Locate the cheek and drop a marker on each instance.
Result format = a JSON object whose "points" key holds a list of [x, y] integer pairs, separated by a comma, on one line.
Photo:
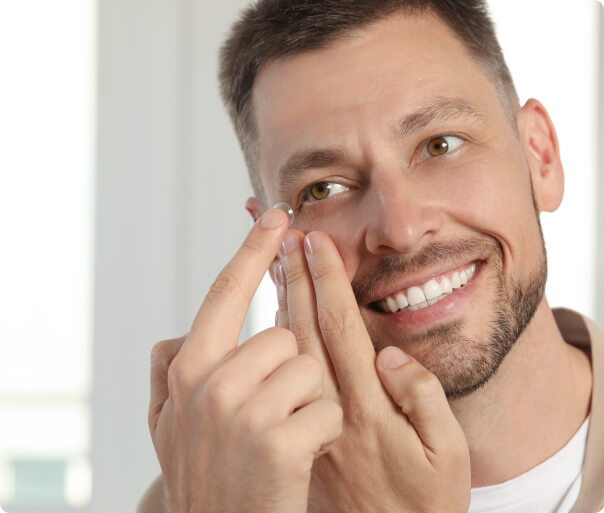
{"points": [[494, 198], [344, 229]]}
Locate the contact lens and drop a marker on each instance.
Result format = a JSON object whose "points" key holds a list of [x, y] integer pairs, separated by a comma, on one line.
{"points": [[287, 209]]}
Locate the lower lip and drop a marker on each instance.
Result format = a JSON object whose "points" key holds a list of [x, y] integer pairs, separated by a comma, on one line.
{"points": [[437, 312]]}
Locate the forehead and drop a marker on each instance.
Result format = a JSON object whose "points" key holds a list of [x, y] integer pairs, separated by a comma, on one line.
{"points": [[362, 82]]}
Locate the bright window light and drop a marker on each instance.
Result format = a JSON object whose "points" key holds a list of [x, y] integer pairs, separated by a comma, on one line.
{"points": [[47, 63]]}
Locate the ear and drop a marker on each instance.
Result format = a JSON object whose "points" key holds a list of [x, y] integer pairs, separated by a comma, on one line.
{"points": [[255, 208], [540, 142]]}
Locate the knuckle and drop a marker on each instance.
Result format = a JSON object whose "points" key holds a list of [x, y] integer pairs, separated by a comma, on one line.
{"points": [[361, 418], [424, 387], [277, 447], [338, 322], [180, 377], [310, 368], [216, 395], [252, 246], [159, 352], [226, 284], [294, 273], [162, 352], [302, 330], [320, 272], [251, 419], [284, 338], [336, 415]]}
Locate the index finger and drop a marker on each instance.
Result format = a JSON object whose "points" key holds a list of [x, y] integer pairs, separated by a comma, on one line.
{"points": [[343, 330], [218, 322]]}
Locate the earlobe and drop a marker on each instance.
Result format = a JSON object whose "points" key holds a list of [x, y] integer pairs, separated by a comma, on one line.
{"points": [[255, 208], [540, 142]]}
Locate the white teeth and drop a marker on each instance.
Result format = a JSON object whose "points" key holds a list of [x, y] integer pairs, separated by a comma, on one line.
{"points": [[463, 278], [432, 290], [455, 281], [392, 306], [446, 286], [401, 299], [429, 293], [415, 296]]}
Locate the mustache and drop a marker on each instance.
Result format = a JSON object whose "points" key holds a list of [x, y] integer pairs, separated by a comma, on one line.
{"points": [[391, 268]]}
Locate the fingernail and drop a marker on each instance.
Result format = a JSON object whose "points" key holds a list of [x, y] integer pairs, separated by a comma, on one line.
{"points": [[289, 243], [312, 243], [271, 219], [392, 358], [287, 209]]}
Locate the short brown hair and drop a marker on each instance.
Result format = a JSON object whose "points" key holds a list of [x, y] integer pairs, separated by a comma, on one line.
{"points": [[272, 29]]}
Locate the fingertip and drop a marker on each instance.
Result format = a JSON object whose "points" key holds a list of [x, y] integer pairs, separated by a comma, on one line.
{"points": [[313, 242], [289, 211], [274, 218]]}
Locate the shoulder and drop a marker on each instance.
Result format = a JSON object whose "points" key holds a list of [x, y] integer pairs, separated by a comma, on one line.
{"points": [[155, 499]]}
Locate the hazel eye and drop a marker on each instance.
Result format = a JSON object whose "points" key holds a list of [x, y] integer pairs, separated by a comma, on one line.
{"points": [[320, 190], [323, 190], [441, 145], [438, 146]]}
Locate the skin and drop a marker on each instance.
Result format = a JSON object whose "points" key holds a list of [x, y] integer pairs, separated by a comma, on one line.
{"points": [[308, 404], [397, 206]]}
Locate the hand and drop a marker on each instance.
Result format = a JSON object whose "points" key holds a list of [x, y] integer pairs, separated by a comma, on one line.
{"points": [[236, 429], [401, 448]]}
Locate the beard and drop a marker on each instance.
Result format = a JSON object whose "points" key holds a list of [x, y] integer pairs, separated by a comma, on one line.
{"points": [[461, 363]]}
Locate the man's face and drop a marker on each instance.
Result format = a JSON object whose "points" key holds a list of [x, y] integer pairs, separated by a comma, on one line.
{"points": [[395, 143]]}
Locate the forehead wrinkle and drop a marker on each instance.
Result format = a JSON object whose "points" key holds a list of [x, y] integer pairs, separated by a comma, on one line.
{"points": [[441, 109], [303, 160]]}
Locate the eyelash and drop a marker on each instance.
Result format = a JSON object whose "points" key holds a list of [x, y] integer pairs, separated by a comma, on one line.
{"points": [[306, 195]]}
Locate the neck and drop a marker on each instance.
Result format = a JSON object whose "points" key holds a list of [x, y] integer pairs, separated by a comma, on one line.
{"points": [[543, 388]]}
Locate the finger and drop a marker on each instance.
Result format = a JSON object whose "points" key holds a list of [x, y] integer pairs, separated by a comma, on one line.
{"points": [[282, 317], [422, 399], [218, 323], [343, 330], [296, 383], [315, 427], [161, 357], [302, 306], [239, 375]]}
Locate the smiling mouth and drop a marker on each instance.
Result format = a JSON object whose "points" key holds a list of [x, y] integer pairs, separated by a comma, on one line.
{"points": [[426, 294]]}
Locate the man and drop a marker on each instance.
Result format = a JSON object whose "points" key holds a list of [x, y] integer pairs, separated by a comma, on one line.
{"points": [[416, 181]]}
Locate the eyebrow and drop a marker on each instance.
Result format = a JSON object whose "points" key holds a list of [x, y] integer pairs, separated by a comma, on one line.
{"points": [[307, 159], [440, 109]]}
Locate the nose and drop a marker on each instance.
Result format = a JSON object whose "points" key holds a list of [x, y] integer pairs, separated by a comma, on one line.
{"points": [[401, 217]]}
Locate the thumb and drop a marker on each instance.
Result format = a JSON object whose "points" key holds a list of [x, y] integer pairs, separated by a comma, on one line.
{"points": [[421, 397]]}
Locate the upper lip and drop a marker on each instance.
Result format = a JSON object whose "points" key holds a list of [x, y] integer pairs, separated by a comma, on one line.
{"points": [[415, 280]]}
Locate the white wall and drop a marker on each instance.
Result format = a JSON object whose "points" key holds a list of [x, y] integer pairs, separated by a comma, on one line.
{"points": [[552, 51], [170, 194]]}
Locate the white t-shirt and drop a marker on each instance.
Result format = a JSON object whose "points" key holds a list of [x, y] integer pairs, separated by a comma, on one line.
{"points": [[551, 487]]}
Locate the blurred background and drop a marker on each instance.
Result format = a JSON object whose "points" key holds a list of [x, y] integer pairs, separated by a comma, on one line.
{"points": [[121, 196]]}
